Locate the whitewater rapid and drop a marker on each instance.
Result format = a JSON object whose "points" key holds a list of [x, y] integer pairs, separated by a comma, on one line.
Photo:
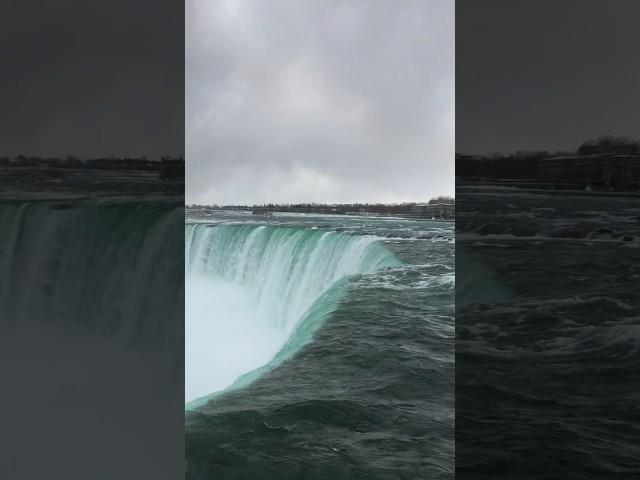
{"points": [[255, 293]]}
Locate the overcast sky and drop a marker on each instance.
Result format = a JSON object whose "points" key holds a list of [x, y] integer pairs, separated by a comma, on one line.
{"points": [[326, 101], [92, 78], [547, 74]]}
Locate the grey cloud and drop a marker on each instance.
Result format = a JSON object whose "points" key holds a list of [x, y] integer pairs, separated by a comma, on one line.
{"points": [[92, 78], [545, 74], [319, 101]]}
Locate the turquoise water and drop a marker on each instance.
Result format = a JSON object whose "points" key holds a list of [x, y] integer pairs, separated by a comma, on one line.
{"points": [[318, 346]]}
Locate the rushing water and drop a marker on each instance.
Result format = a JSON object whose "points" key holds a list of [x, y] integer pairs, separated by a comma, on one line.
{"points": [[547, 347], [260, 282], [91, 337], [83, 263], [318, 347]]}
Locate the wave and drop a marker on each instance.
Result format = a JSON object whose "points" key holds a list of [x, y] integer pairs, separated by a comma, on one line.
{"points": [[477, 282], [256, 293], [592, 236]]}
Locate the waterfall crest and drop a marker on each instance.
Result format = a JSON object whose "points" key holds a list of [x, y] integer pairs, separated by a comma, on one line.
{"points": [[255, 293]]}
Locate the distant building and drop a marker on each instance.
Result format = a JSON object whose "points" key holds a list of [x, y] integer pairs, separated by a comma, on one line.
{"points": [[618, 171], [435, 210], [609, 148]]}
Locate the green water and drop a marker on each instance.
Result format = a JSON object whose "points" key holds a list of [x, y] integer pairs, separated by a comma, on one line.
{"points": [[361, 383]]}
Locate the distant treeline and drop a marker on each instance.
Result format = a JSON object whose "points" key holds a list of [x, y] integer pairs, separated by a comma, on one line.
{"points": [[512, 165], [524, 164], [439, 207], [71, 161], [313, 205]]}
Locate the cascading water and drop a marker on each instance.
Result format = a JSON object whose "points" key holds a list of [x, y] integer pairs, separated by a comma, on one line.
{"points": [[354, 366], [91, 310], [110, 267], [255, 293]]}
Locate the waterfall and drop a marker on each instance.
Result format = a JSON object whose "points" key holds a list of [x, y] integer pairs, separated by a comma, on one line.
{"points": [[91, 336], [255, 293], [114, 268]]}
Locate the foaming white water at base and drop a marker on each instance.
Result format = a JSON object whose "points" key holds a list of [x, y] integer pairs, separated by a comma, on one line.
{"points": [[223, 335], [255, 293]]}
